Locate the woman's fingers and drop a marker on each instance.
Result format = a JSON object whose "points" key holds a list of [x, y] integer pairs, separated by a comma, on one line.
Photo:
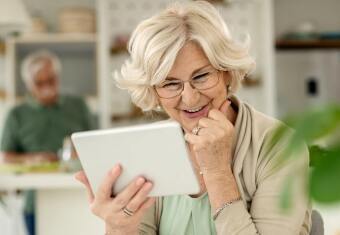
{"points": [[124, 197], [105, 189], [145, 206], [140, 197], [208, 122], [225, 107], [222, 114], [191, 138], [81, 177]]}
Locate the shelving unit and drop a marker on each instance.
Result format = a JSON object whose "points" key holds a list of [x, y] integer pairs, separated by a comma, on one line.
{"points": [[78, 55], [2, 48], [307, 44]]}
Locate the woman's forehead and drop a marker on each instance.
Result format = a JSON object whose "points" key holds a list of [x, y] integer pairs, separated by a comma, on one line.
{"points": [[189, 60]]}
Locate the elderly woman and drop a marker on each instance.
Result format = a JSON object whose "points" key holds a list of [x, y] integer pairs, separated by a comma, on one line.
{"points": [[185, 61]]}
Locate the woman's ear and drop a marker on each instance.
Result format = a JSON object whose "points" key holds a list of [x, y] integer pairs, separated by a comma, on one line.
{"points": [[226, 77]]}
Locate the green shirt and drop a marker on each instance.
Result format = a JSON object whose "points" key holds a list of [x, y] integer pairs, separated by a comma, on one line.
{"points": [[31, 127], [183, 214]]}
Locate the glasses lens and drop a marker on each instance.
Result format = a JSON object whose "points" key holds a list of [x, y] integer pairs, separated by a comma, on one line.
{"points": [[172, 89], [169, 89], [205, 82]]}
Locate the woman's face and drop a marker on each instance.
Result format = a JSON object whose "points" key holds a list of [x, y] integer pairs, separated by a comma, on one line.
{"points": [[192, 104]]}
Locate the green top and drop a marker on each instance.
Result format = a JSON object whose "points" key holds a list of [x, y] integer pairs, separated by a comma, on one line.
{"points": [[195, 216], [31, 127]]}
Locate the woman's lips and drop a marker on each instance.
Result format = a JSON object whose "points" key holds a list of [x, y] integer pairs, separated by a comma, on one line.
{"points": [[202, 113]]}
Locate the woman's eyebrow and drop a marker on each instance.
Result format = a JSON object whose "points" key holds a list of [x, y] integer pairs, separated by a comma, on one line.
{"points": [[171, 79], [192, 74], [199, 69]]}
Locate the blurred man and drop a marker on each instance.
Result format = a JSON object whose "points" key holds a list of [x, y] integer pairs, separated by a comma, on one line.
{"points": [[34, 130]]}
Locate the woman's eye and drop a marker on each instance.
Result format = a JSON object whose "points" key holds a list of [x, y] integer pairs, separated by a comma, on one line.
{"points": [[171, 85], [201, 77]]}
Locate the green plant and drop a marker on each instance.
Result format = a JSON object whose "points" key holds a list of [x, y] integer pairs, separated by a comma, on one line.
{"points": [[311, 127]]}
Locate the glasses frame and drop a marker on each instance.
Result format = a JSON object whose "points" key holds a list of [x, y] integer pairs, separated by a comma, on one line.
{"points": [[193, 87]]}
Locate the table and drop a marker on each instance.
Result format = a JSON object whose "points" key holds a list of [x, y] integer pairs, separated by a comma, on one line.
{"points": [[61, 203]]}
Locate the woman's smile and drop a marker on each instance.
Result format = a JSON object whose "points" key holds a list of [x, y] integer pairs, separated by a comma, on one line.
{"points": [[197, 112]]}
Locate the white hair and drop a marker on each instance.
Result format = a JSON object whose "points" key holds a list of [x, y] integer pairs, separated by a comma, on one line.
{"points": [[156, 41], [34, 62]]}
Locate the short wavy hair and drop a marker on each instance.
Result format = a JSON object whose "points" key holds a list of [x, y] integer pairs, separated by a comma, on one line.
{"points": [[156, 41], [34, 62]]}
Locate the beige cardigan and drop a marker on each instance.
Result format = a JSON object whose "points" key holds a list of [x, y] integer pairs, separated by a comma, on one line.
{"points": [[260, 180]]}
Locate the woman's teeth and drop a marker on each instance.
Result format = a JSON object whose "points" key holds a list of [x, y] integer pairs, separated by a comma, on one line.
{"points": [[194, 110]]}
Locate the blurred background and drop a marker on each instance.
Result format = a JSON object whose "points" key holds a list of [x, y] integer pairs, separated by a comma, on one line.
{"points": [[296, 44]]}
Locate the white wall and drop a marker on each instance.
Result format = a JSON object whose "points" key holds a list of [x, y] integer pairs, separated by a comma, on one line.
{"points": [[323, 13], [293, 67]]}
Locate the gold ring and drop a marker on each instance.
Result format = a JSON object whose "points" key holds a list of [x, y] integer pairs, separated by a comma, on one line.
{"points": [[127, 212], [196, 129]]}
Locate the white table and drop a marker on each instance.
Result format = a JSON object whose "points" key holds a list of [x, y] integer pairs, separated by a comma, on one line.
{"points": [[61, 203]]}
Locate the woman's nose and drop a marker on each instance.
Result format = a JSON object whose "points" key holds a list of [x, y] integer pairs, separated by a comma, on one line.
{"points": [[190, 95]]}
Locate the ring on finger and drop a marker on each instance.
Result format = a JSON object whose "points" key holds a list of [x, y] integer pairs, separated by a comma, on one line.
{"points": [[196, 130], [127, 211]]}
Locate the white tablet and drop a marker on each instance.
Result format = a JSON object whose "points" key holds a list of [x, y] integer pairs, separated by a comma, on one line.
{"points": [[156, 151]]}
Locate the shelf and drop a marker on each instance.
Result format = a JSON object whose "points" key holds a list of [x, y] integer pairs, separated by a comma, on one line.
{"points": [[118, 50], [56, 38], [2, 48], [38, 181], [307, 44], [77, 53], [71, 41], [2, 94], [59, 42]]}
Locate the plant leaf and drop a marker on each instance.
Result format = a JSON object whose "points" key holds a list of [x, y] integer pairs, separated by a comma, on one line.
{"points": [[325, 178]]}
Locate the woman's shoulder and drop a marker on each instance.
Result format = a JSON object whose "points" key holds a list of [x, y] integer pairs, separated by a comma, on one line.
{"points": [[261, 120], [270, 136], [262, 131], [254, 122]]}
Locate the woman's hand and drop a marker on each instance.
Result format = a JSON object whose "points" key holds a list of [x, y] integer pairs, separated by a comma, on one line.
{"points": [[212, 148], [213, 142], [134, 199]]}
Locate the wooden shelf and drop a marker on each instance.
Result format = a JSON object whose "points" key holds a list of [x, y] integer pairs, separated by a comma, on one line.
{"points": [[75, 41], [307, 44], [2, 94], [57, 41], [118, 49], [2, 48], [56, 38]]}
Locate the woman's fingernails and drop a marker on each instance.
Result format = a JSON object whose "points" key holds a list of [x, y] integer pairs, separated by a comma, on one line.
{"points": [[148, 185], [140, 181], [115, 169]]}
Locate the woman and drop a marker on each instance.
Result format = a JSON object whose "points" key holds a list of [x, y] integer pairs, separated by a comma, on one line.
{"points": [[185, 61]]}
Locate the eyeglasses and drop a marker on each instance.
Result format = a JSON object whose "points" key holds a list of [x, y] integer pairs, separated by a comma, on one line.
{"points": [[172, 88], [50, 81]]}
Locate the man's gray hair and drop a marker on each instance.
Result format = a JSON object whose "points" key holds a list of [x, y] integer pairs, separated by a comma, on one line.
{"points": [[34, 62]]}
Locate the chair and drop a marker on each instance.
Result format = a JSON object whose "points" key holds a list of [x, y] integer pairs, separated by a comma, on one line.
{"points": [[317, 224]]}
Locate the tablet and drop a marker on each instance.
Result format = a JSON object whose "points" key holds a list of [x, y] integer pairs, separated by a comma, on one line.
{"points": [[156, 151]]}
